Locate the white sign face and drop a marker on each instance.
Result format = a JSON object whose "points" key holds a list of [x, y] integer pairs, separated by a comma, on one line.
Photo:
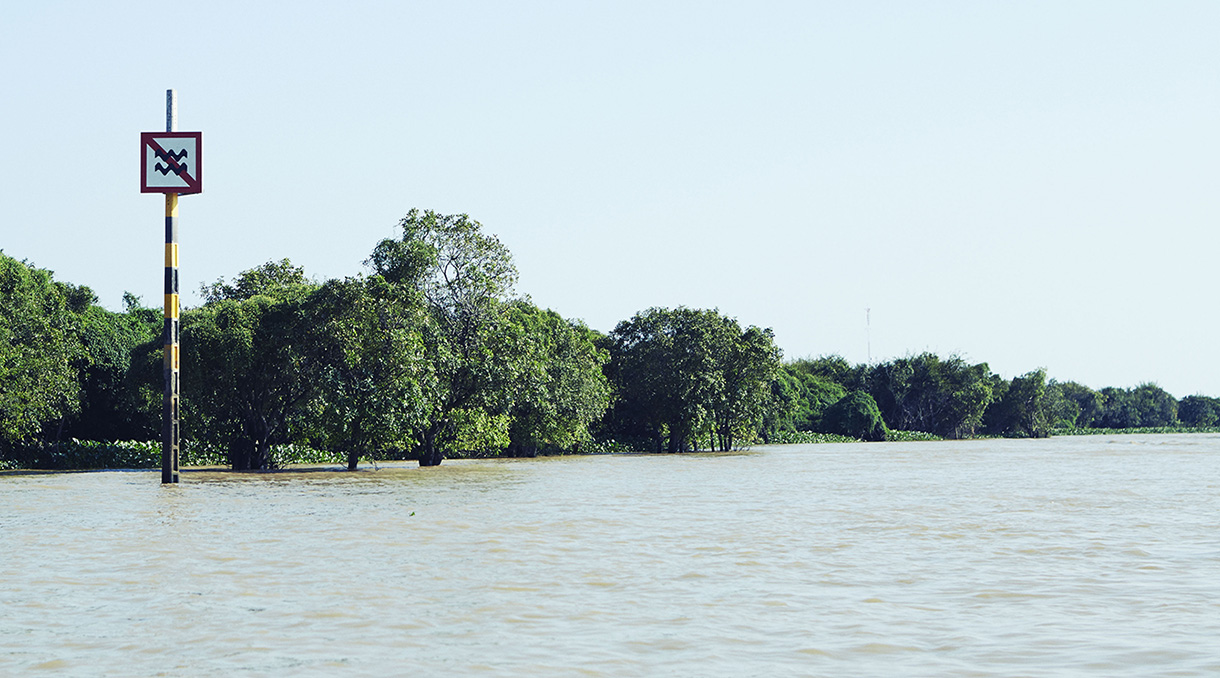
{"points": [[171, 162]]}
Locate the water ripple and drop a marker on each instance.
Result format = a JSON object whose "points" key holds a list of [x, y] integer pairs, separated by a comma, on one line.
{"points": [[1066, 557]]}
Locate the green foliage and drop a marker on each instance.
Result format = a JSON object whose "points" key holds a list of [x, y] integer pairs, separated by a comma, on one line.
{"points": [[1023, 408], [808, 438], [375, 376], [39, 351], [560, 387], [432, 356], [946, 397], [253, 363], [464, 278], [1157, 408], [93, 454], [1145, 406], [1099, 431], [475, 432], [910, 436], [834, 369], [73, 454], [1090, 405], [1198, 410], [799, 399], [678, 371], [113, 406], [276, 279], [610, 446], [855, 415]]}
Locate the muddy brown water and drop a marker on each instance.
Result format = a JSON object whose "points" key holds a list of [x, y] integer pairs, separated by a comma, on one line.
{"points": [[1063, 557]]}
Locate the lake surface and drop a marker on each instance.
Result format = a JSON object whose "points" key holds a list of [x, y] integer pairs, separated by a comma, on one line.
{"points": [[1075, 556]]}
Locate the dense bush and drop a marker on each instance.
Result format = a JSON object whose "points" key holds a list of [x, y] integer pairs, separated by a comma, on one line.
{"points": [[855, 415]]}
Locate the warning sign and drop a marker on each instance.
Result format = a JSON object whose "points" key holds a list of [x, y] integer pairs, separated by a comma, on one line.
{"points": [[171, 162]]}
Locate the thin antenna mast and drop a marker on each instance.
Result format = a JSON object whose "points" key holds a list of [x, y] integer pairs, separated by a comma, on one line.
{"points": [[868, 332]]}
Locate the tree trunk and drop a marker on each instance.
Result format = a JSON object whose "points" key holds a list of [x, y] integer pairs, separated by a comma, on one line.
{"points": [[429, 455], [262, 456], [353, 459], [242, 457]]}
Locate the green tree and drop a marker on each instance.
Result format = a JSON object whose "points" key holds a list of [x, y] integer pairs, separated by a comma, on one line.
{"points": [[464, 277], [251, 363], [113, 405], [374, 370], [800, 397], [1062, 412], [1156, 406], [1090, 404], [818, 393], [276, 279], [1119, 409], [1022, 410], [747, 362], [560, 386], [784, 410], [925, 393], [1146, 405], [855, 415], [1199, 410], [677, 371], [39, 348], [833, 368], [661, 368]]}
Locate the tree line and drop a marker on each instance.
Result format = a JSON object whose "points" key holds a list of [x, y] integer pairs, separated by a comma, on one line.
{"points": [[431, 353], [952, 398]]}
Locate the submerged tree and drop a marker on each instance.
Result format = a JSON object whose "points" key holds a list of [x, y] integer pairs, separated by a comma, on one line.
{"points": [[1198, 410], [115, 402], [560, 389], [39, 351], [464, 277], [1023, 408], [855, 415], [926, 393], [253, 359], [675, 369], [375, 375]]}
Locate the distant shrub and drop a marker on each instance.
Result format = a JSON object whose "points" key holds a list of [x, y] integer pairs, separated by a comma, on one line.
{"points": [[910, 436], [808, 438], [1124, 431], [855, 415]]}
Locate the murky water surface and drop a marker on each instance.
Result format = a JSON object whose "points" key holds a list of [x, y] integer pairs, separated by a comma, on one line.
{"points": [[1068, 557]]}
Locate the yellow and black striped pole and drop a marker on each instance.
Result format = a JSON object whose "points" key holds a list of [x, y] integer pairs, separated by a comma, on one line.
{"points": [[169, 433], [169, 436]]}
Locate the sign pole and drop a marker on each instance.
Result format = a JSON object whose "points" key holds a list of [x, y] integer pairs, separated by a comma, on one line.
{"points": [[171, 162], [169, 433]]}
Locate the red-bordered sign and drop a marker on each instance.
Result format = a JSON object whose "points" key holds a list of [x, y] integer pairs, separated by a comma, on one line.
{"points": [[171, 162]]}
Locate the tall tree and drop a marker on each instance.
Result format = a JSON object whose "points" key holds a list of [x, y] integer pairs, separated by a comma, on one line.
{"points": [[112, 404], [926, 393], [251, 362], [560, 389], [855, 415], [375, 373], [1199, 410], [465, 277], [674, 369], [1144, 406], [39, 350], [1023, 408], [747, 360], [1089, 403]]}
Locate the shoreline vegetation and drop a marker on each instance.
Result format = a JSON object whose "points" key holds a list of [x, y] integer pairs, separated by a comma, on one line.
{"points": [[431, 354], [91, 455]]}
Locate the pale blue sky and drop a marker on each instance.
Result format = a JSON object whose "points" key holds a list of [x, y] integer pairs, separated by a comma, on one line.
{"points": [[1030, 184]]}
